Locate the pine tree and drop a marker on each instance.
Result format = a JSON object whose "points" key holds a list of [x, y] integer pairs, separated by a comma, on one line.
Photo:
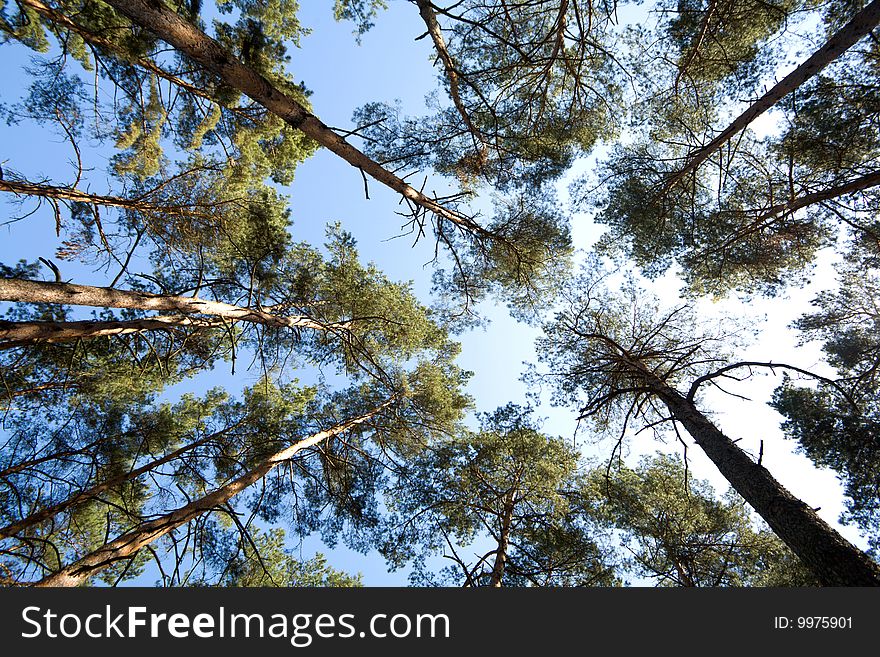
{"points": [[621, 358], [504, 488]]}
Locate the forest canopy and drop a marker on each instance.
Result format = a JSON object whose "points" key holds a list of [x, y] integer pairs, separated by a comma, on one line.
{"points": [[247, 271]]}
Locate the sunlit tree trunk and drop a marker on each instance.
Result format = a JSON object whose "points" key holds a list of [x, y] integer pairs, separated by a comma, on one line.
{"points": [[26, 291], [157, 17], [128, 544], [17, 334], [25, 188]]}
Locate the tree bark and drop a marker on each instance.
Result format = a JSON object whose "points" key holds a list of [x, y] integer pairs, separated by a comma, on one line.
{"points": [[858, 184], [775, 212], [860, 26], [503, 541], [18, 334], [157, 17], [426, 11], [128, 544], [830, 557], [26, 291]]}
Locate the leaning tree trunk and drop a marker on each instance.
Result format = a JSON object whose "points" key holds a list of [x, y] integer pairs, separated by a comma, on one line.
{"points": [[106, 44], [128, 544], [831, 558], [775, 212], [426, 11], [859, 27], [161, 20], [26, 188], [90, 493]]}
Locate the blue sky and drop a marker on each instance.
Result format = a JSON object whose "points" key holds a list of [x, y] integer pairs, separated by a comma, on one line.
{"points": [[390, 64]]}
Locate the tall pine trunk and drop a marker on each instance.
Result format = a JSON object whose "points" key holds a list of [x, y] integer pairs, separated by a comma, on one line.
{"points": [[859, 27], [158, 18], [497, 575], [129, 543], [25, 188], [26, 291], [831, 558], [17, 334]]}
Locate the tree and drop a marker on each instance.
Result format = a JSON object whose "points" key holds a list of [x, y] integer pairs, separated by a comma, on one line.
{"points": [[718, 41], [755, 219], [189, 40], [860, 26], [231, 63], [130, 543], [679, 533], [253, 143], [263, 434], [210, 467], [620, 358], [505, 487]]}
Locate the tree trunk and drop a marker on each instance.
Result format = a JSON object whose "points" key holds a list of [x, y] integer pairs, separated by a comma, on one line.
{"points": [[156, 16], [128, 544], [17, 334], [503, 541], [426, 11], [773, 213], [860, 26], [97, 489], [858, 184], [830, 557], [25, 291]]}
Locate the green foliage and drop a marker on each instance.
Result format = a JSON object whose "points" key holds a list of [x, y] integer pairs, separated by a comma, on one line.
{"points": [[360, 12], [90, 442], [140, 142], [23, 25], [263, 559], [736, 235], [525, 262], [753, 217], [534, 87], [504, 486], [832, 132], [49, 378], [716, 39], [157, 121]]}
